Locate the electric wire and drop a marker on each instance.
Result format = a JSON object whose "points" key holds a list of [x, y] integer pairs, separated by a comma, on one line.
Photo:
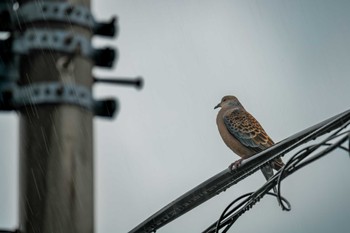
{"points": [[227, 178], [299, 160]]}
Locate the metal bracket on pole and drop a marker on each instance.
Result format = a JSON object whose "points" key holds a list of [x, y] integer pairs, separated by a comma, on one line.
{"points": [[32, 40], [13, 97], [62, 41], [60, 12], [136, 82]]}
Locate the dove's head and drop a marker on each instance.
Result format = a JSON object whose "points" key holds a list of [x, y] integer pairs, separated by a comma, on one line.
{"points": [[229, 101]]}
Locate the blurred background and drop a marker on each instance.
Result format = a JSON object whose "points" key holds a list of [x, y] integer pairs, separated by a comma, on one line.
{"points": [[287, 61]]}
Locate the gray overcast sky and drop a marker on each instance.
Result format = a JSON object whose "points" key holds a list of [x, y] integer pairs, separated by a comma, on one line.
{"points": [[287, 61]]}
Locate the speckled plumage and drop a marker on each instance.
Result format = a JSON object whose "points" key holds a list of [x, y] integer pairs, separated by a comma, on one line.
{"points": [[242, 133], [246, 129]]}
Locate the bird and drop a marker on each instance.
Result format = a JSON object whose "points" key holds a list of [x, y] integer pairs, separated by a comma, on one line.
{"points": [[243, 134]]}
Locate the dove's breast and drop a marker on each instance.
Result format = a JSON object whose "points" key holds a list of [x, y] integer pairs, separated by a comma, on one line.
{"points": [[230, 140]]}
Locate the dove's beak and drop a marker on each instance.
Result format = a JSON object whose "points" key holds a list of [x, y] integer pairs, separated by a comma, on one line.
{"points": [[217, 106]]}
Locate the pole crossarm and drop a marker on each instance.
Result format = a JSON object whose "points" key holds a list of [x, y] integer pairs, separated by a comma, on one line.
{"points": [[227, 178]]}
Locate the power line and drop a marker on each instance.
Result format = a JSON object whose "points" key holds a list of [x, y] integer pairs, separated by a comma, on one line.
{"points": [[299, 160], [228, 178]]}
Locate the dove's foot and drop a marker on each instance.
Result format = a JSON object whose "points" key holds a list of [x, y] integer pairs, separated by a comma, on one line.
{"points": [[235, 164]]}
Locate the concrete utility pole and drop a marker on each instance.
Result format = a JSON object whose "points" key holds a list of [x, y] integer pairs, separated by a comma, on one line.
{"points": [[45, 74], [56, 159]]}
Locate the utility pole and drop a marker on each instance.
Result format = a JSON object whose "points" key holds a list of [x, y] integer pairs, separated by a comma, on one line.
{"points": [[56, 142], [45, 75]]}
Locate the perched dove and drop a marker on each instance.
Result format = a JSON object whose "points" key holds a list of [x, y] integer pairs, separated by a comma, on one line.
{"points": [[243, 134]]}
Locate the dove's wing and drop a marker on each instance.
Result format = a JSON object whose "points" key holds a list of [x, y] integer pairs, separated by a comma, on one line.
{"points": [[244, 127]]}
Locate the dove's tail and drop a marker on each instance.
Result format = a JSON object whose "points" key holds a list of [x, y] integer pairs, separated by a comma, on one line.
{"points": [[277, 164], [268, 173]]}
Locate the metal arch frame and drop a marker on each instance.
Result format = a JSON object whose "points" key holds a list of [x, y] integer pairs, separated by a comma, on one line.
{"points": [[228, 178]]}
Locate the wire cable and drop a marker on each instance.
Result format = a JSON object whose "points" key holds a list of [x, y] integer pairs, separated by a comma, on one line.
{"points": [[227, 178], [299, 160]]}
